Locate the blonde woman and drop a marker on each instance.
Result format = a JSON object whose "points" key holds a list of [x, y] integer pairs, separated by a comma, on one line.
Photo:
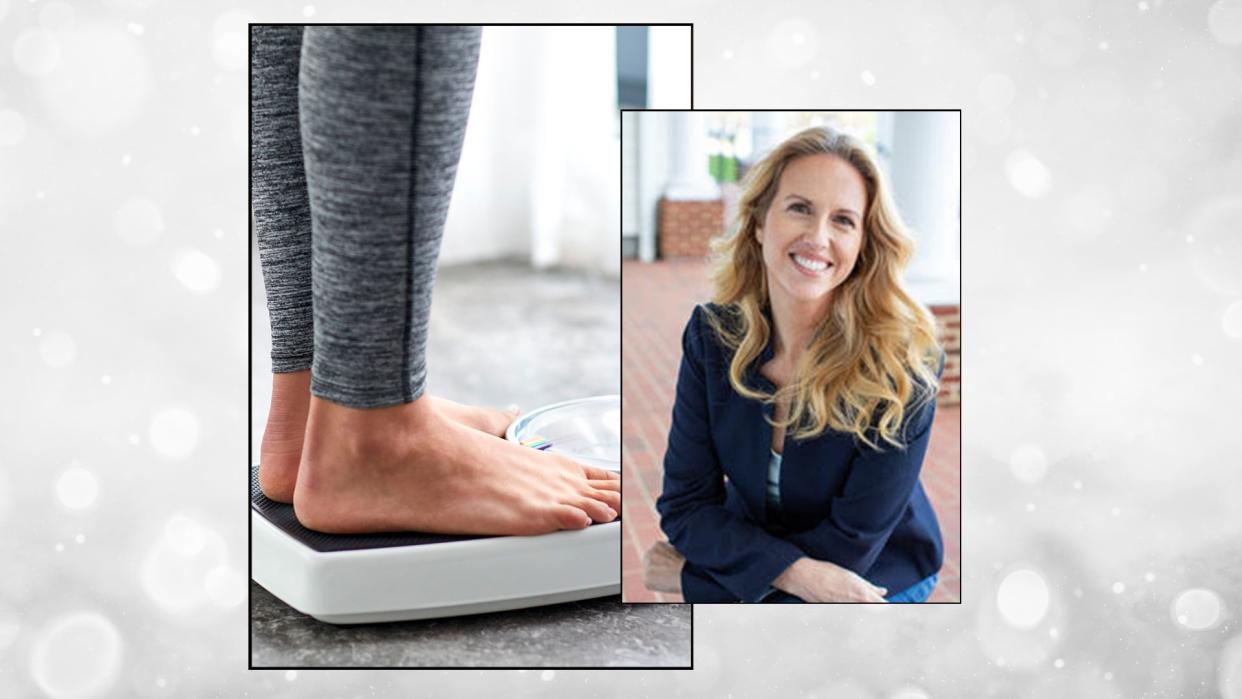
{"points": [[805, 397]]}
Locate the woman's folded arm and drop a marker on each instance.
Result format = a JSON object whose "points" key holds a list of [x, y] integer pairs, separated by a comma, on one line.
{"points": [[873, 499], [739, 555]]}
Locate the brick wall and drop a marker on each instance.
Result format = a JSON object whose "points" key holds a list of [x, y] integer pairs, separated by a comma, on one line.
{"points": [[685, 227], [949, 330]]}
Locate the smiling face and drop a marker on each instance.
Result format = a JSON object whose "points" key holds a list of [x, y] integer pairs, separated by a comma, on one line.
{"points": [[813, 230]]}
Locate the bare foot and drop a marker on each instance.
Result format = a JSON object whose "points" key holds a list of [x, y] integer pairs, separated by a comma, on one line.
{"points": [[282, 437], [662, 566], [493, 421], [412, 468], [286, 427]]}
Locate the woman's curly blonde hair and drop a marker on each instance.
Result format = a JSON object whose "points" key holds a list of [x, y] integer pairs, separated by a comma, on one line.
{"points": [[875, 353]]}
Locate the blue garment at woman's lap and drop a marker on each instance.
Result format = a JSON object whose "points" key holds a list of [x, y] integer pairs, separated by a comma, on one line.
{"points": [[918, 592]]}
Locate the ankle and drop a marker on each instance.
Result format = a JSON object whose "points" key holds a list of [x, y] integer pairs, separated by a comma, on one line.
{"points": [[366, 433], [292, 382], [290, 398]]}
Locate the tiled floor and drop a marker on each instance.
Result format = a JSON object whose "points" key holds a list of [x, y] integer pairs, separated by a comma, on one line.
{"points": [[656, 300]]}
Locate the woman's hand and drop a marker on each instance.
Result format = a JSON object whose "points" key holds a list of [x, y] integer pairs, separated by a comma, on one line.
{"points": [[821, 581]]}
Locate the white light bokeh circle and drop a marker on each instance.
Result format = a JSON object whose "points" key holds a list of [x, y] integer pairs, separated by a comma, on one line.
{"points": [[184, 535], [77, 488], [226, 586], [12, 127], [76, 655], [228, 40], [1231, 320], [1028, 463], [1023, 598], [102, 81], [909, 692], [58, 349], [196, 271], [174, 432], [1217, 252], [1197, 609], [177, 576], [1027, 174], [1225, 21], [547, 675], [138, 221], [793, 43], [36, 52]]}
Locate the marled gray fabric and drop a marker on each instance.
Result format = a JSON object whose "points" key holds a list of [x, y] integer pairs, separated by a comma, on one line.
{"points": [[383, 113], [278, 198]]}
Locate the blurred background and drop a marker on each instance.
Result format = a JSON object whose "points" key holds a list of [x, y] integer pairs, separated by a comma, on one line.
{"points": [[682, 173], [538, 175], [1102, 144]]}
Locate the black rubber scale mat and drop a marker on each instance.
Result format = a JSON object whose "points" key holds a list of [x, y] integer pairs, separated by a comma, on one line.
{"points": [[282, 516]]}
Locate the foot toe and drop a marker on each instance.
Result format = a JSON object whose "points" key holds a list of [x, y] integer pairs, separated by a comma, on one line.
{"points": [[598, 510], [610, 498], [600, 474], [570, 517], [605, 485]]}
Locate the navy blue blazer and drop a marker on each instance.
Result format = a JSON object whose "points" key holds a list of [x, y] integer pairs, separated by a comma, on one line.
{"points": [[860, 508]]}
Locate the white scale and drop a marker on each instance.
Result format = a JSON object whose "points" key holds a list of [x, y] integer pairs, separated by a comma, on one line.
{"points": [[401, 576]]}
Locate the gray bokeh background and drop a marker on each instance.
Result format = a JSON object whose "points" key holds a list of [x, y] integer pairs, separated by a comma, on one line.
{"points": [[1102, 348]]}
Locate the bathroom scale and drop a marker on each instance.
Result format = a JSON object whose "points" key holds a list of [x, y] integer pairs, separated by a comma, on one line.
{"points": [[357, 579]]}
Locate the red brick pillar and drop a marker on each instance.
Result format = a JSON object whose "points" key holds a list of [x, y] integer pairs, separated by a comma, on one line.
{"points": [[686, 227], [949, 331]]}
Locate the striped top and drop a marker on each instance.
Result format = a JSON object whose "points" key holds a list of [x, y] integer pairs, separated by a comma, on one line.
{"points": [[774, 482]]}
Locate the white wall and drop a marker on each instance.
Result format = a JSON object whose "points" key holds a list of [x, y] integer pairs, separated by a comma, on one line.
{"points": [[646, 157], [629, 173], [540, 172], [924, 171], [668, 68], [575, 185], [490, 211]]}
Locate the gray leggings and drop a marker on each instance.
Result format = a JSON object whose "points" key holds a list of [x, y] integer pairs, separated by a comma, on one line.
{"points": [[356, 134]]}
